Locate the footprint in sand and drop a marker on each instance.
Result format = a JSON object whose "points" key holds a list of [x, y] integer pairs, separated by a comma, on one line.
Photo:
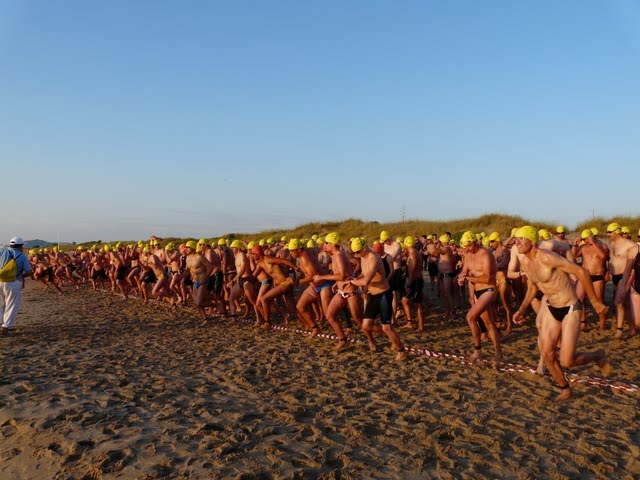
{"points": [[9, 428]]}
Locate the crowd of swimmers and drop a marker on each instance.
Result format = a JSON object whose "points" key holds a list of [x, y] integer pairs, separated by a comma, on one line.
{"points": [[379, 288]]}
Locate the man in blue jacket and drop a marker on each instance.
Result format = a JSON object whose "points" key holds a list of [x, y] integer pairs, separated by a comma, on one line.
{"points": [[11, 291]]}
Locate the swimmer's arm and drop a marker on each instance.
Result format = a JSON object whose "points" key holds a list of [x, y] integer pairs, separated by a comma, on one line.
{"points": [[208, 266], [513, 271], [602, 252], [256, 271], [335, 277], [392, 269], [508, 243], [283, 261], [576, 251], [626, 277], [532, 290], [365, 280]]}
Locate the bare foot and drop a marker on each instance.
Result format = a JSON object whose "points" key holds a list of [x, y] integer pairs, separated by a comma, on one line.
{"points": [[342, 344], [475, 356], [373, 347], [605, 366], [265, 326], [583, 326], [400, 356], [499, 358], [618, 335], [407, 326], [314, 332], [602, 315], [565, 395]]}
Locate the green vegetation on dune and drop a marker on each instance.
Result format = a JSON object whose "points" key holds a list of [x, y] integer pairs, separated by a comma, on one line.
{"points": [[370, 230]]}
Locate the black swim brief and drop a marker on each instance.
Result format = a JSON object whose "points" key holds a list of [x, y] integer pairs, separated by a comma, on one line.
{"points": [[478, 293], [560, 312]]}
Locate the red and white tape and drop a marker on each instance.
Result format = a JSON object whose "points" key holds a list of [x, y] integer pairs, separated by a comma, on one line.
{"points": [[503, 367]]}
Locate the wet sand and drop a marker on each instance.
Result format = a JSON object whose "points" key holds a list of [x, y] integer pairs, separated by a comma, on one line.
{"points": [[93, 387]]}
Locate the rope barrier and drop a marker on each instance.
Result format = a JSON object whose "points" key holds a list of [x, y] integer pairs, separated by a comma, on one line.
{"points": [[502, 367]]}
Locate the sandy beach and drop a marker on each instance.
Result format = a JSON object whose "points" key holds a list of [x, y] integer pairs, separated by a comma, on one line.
{"points": [[94, 387]]}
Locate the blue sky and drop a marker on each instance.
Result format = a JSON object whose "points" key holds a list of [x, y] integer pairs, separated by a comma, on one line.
{"points": [[123, 119]]}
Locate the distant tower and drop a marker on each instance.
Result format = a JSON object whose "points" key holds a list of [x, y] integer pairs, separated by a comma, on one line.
{"points": [[404, 213]]}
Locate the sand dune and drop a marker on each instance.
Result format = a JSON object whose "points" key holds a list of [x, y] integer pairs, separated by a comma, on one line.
{"points": [[94, 387]]}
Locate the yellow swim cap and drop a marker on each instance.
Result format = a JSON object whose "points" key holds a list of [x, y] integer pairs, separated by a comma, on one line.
{"points": [[625, 229], [586, 233], [485, 241], [106, 248], [444, 238], [482, 234], [221, 242], [262, 242], [494, 237], [357, 243], [236, 244], [467, 239], [250, 245], [170, 247], [140, 243], [595, 231], [529, 233], [513, 231], [333, 238], [314, 237], [147, 249], [202, 241], [118, 245], [294, 244], [614, 227], [478, 236], [283, 238], [409, 241], [192, 244], [560, 229], [544, 234], [384, 236], [311, 244], [270, 241]]}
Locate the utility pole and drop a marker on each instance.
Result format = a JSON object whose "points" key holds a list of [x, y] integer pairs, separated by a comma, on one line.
{"points": [[404, 213], [593, 214]]}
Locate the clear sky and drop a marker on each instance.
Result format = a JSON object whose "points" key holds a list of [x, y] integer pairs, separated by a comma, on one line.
{"points": [[121, 119]]}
